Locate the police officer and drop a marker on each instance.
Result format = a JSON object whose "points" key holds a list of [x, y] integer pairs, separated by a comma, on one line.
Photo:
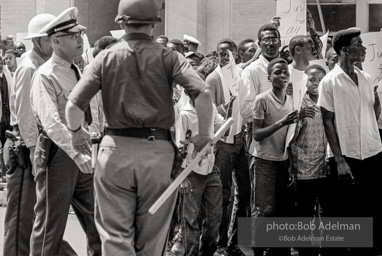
{"points": [[63, 174], [21, 195], [136, 155]]}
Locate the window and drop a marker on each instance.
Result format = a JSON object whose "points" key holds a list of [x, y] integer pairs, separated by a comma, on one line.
{"points": [[336, 16], [375, 17]]}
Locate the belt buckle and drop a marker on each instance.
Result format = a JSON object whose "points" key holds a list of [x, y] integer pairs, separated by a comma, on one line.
{"points": [[151, 138]]}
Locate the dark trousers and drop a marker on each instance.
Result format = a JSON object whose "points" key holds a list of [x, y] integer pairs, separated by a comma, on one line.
{"points": [[21, 197], [58, 186], [308, 191], [271, 181], [202, 204], [231, 157], [359, 200]]}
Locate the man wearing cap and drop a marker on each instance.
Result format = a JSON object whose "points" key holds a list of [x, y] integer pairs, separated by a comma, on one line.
{"points": [[190, 43], [176, 45], [136, 155], [63, 173], [351, 107], [21, 195]]}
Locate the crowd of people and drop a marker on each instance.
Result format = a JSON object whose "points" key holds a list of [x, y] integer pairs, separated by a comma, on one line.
{"points": [[155, 103]]}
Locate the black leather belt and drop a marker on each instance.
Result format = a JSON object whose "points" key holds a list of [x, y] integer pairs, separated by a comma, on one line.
{"points": [[150, 134]]}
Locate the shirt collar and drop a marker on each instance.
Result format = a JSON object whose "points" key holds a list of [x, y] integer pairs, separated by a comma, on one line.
{"points": [[61, 62], [137, 36], [264, 60]]}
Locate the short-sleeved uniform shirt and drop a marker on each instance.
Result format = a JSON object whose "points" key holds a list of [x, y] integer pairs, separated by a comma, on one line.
{"points": [[136, 77], [353, 106], [269, 109]]}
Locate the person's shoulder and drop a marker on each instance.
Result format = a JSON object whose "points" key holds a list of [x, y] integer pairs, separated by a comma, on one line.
{"points": [[213, 77], [264, 96]]}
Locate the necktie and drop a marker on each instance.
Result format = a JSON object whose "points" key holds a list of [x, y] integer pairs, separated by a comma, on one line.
{"points": [[88, 113]]}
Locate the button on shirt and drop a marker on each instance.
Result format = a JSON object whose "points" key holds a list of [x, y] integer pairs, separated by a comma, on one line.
{"points": [[353, 106], [51, 86], [254, 81], [136, 77], [23, 83]]}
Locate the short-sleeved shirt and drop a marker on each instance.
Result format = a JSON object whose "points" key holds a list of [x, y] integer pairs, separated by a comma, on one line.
{"points": [[353, 106], [135, 77], [269, 109]]}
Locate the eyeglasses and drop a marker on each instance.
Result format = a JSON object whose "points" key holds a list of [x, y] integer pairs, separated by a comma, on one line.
{"points": [[268, 40], [74, 35]]}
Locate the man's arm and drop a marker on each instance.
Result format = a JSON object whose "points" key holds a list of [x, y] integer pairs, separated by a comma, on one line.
{"points": [[344, 171], [247, 93], [259, 132], [25, 118], [203, 106]]}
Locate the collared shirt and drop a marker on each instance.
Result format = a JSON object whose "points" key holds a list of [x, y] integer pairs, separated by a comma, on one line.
{"points": [[136, 77], [269, 109], [254, 81], [23, 83], [51, 86], [215, 84], [309, 148], [353, 106], [189, 121]]}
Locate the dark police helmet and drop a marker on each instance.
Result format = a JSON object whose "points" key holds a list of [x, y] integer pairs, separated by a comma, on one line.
{"points": [[137, 12]]}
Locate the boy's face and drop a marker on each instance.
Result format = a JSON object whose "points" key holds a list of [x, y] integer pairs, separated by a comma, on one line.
{"points": [[308, 50], [314, 78], [224, 55], [10, 60], [279, 76], [250, 50], [332, 59]]}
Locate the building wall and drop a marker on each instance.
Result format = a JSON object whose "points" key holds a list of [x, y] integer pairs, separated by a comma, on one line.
{"points": [[15, 15], [249, 15]]}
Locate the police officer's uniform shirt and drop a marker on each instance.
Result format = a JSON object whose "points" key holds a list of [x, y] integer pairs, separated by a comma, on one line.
{"points": [[136, 77], [23, 83], [51, 86]]}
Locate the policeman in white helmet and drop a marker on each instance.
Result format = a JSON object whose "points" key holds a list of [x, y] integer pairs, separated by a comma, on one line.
{"points": [[21, 196]]}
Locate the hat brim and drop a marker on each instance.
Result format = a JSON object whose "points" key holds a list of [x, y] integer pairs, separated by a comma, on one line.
{"points": [[34, 36], [77, 28]]}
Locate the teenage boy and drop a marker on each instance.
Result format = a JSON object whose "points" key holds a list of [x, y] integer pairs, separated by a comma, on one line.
{"points": [[273, 112], [308, 150]]}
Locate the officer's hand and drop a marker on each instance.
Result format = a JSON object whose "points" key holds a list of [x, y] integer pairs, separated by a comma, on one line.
{"points": [[200, 141], [84, 163], [185, 187], [81, 141]]}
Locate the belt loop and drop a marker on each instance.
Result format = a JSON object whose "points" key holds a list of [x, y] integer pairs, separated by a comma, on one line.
{"points": [[151, 138]]}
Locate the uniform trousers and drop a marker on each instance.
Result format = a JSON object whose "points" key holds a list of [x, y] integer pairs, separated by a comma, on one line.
{"points": [[21, 197], [58, 186], [130, 176]]}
